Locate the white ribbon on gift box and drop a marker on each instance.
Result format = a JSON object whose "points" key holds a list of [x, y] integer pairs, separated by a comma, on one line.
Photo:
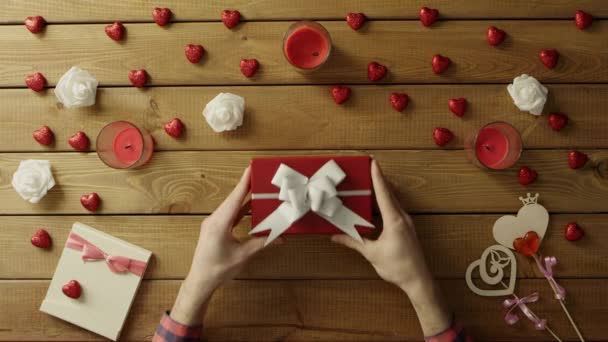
{"points": [[318, 193]]}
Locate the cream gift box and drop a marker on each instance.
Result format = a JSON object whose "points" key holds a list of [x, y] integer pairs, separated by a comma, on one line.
{"points": [[107, 269]]}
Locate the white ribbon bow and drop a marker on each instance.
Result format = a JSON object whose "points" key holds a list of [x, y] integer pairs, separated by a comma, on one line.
{"points": [[319, 194]]}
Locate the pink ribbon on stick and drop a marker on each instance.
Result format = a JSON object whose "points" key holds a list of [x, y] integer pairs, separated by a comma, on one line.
{"points": [[547, 270], [516, 302], [116, 263]]}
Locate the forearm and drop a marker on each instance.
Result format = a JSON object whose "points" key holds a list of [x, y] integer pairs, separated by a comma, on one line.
{"points": [[191, 302], [429, 304]]}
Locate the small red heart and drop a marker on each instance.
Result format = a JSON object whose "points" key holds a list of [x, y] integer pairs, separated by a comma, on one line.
{"points": [[79, 141], [573, 232], [116, 30], [442, 136], [340, 94], [458, 106], [44, 135], [41, 239], [375, 71], [161, 16], [72, 289], [549, 57], [399, 101], [90, 201], [577, 159], [527, 175], [35, 24], [428, 16], [355, 20], [557, 121], [582, 19], [138, 77], [440, 63], [175, 128], [231, 18], [249, 67], [495, 36], [35, 82], [527, 245], [194, 53]]}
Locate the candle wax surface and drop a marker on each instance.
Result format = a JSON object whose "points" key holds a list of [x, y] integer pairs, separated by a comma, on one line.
{"points": [[492, 146], [306, 48], [128, 146]]}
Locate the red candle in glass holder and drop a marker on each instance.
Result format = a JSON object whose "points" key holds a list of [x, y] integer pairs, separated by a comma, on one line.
{"points": [[122, 145], [307, 45], [497, 146]]}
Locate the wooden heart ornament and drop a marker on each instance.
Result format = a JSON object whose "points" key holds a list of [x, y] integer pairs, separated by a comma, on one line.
{"points": [[528, 227], [492, 264]]}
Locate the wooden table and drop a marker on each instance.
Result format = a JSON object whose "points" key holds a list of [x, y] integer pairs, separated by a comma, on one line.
{"points": [[308, 289]]}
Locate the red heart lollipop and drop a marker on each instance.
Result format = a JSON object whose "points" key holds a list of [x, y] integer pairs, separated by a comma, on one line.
{"points": [[527, 245]]}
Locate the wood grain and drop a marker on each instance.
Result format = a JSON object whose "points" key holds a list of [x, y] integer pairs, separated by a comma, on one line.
{"points": [[270, 310], [140, 10], [305, 117], [308, 289], [451, 243], [406, 48], [196, 182]]}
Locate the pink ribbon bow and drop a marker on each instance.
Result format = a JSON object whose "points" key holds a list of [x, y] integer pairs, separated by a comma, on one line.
{"points": [[516, 302], [547, 270], [116, 264]]}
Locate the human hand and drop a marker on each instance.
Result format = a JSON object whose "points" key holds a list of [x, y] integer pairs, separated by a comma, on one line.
{"points": [[396, 254], [397, 257], [218, 256]]}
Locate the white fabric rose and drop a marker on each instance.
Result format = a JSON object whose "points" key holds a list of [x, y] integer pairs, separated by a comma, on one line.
{"points": [[528, 94], [33, 179], [225, 112], [76, 88]]}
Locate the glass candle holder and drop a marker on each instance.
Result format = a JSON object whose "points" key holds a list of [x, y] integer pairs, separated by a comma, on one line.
{"points": [[122, 145], [495, 146], [307, 45]]}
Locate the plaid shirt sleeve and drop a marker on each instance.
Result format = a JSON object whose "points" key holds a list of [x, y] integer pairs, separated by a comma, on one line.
{"points": [[454, 333], [171, 331]]}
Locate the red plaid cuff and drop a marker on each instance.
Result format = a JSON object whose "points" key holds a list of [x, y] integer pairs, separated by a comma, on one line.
{"points": [[454, 333], [171, 331]]}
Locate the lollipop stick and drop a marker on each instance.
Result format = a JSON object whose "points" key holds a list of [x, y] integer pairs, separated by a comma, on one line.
{"points": [[580, 336], [561, 301], [553, 334]]}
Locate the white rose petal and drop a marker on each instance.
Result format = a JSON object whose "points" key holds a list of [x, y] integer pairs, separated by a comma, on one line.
{"points": [[76, 88], [528, 94], [33, 179], [225, 112]]}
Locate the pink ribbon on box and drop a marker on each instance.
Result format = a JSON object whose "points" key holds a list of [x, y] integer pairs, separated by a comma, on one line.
{"points": [[116, 263], [547, 270], [516, 302]]}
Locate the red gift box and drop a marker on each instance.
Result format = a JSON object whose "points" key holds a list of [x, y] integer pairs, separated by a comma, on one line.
{"points": [[354, 191]]}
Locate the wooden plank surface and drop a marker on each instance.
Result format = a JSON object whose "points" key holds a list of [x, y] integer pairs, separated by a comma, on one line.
{"points": [[451, 243], [309, 288], [269, 310], [140, 10], [196, 182], [406, 48], [308, 118]]}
